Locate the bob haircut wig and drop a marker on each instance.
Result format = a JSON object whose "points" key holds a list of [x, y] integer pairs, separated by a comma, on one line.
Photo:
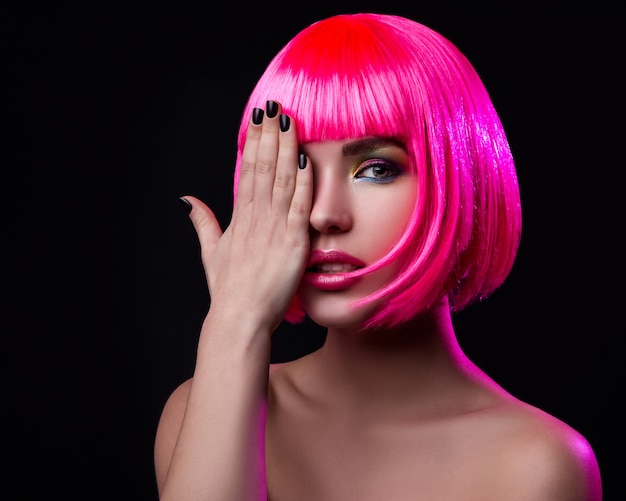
{"points": [[367, 74]]}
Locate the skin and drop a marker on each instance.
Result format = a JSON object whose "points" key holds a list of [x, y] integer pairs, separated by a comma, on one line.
{"points": [[371, 415], [363, 189]]}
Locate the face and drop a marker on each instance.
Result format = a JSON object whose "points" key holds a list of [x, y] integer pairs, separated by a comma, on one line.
{"points": [[363, 197]]}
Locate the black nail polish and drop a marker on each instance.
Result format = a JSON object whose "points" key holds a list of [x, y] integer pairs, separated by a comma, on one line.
{"points": [[285, 122], [257, 116], [302, 161], [271, 108], [185, 204]]}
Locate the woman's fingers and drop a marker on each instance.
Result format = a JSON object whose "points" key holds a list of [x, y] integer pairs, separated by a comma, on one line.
{"points": [[267, 241], [267, 154], [302, 200], [286, 165], [258, 161], [268, 163], [245, 186], [275, 185]]}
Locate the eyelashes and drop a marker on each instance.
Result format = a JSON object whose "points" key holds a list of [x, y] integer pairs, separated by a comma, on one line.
{"points": [[379, 171], [361, 163]]}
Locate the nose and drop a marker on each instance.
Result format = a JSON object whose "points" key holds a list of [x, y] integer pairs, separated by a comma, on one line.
{"points": [[331, 212]]}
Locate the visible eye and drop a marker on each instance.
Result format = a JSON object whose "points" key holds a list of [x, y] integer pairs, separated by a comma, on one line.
{"points": [[379, 171]]}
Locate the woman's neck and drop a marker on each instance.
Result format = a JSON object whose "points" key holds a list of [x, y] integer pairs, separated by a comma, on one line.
{"points": [[419, 363]]}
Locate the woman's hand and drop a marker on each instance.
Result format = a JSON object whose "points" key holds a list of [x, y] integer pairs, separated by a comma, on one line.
{"points": [[253, 269]]}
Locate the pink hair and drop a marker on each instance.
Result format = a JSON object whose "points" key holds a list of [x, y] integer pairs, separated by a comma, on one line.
{"points": [[356, 75]]}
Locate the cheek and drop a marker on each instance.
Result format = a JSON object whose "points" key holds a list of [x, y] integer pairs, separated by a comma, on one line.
{"points": [[386, 217], [389, 228]]}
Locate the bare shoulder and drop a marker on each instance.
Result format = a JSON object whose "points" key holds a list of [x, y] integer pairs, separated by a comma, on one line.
{"points": [[541, 457], [168, 428], [277, 367]]}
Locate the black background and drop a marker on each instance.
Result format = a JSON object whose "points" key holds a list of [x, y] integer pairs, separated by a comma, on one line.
{"points": [[114, 110]]}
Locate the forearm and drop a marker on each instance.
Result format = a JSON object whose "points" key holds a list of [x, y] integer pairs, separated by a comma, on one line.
{"points": [[220, 451]]}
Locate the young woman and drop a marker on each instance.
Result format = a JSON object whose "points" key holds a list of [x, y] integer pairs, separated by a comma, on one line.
{"points": [[374, 192]]}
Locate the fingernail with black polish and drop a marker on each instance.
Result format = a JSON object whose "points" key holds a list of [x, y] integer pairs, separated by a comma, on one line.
{"points": [[185, 204], [271, 108], [285, 122], [257, 116], [302, 161]]}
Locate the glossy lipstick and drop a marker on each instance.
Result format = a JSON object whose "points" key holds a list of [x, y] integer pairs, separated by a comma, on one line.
{"points": [[331, 270]]}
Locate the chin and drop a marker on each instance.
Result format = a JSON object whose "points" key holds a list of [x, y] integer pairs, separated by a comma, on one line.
{"points": [[335, 309], [338, 314]]}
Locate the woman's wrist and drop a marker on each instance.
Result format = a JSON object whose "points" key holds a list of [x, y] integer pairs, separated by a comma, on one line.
{"points": [[236, 332]]}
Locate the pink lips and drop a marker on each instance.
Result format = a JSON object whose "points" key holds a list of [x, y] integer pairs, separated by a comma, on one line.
{"points": [[330, 270]]}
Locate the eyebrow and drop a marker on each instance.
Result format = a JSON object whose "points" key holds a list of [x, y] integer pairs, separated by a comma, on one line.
{"points": [[369, 144]]}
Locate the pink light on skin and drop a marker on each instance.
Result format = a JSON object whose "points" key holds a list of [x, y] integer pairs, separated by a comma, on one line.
{"points": [[331, 270]]}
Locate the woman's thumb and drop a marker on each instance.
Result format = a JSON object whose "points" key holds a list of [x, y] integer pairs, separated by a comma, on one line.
{"points": [[204, 221]]}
